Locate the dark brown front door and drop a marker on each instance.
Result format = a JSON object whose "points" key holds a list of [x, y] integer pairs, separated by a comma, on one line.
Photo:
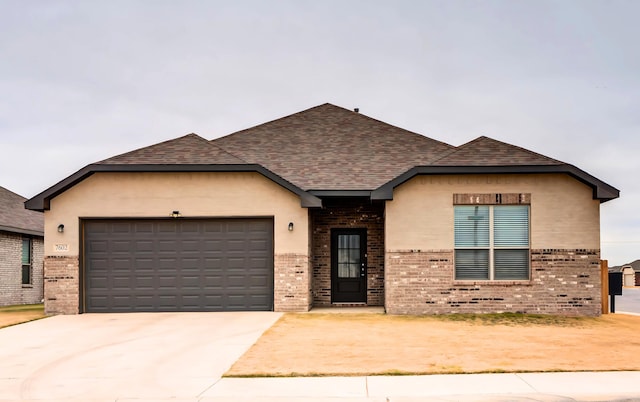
{"points": [[348, 265]]}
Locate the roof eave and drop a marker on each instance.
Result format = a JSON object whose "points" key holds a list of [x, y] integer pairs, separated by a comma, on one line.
{"points": [[23, 231], [601, 190], [41, 202]]}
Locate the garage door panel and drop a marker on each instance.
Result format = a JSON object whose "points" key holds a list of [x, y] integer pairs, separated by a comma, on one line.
{"points": [[178, 265], [98, 246], [167, 226], [213, 282], [121, 227], [257, 281], [99, 282], [144, 264], [121, 282], [143, 245]]}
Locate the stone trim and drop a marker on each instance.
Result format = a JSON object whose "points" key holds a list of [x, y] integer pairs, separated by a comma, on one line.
{"points": [[492, 199]]}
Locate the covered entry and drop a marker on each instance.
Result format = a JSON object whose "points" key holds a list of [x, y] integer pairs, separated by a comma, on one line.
{"points": [[347, 247], [177, 265]]}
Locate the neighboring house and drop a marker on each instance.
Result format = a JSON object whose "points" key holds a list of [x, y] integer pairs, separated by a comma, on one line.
{"points": [[21, 251], [325, 207], [632, 266]]}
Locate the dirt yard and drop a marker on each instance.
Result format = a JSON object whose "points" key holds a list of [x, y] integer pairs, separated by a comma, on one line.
{"points": [[358, 344], [11, 315]]}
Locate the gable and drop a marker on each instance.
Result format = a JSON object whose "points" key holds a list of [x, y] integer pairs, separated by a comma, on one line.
{"points": [[484, 151]]}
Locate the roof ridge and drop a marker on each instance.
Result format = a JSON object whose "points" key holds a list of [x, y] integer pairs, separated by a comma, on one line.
{"points": [[486, 138], [212, 144], [421, 136], [273, 121], [530, 152], [190, 135], [353, 114]]}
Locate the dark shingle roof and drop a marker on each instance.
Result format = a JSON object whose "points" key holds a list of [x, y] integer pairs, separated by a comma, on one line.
{"points": [[15, 218], [484, 151], [331, 148], [329, 151], [190, 149]]}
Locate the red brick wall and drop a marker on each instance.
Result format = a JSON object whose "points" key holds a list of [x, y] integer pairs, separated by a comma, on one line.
{"points": [[564, 282], [347, 214]]}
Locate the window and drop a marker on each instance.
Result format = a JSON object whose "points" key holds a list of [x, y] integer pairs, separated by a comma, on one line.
{"points": [[491, 242], [26, 260]]}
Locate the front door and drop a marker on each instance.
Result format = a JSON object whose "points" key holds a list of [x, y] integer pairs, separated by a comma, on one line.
{"points": [[348, 266]]}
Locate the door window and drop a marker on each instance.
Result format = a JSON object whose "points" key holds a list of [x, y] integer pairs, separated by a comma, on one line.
{"points": [[348, 255]]}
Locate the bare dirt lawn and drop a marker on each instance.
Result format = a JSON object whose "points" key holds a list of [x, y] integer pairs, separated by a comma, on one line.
{"points": [[11, 315], [370, 344]]}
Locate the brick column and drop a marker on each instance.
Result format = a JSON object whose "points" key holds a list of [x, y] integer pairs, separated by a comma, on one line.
{"points": [[292, 283], [61, 285]]}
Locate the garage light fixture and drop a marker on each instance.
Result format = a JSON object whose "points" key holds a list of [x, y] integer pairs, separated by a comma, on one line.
{"points": [[290, 226], [175, 214], [60, 228]]}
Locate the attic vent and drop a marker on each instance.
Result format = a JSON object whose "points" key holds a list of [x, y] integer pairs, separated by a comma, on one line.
{"points": [[357, 110]]}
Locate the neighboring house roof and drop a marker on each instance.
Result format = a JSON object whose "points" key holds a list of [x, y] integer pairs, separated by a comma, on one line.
{"points": [[635, 265], [330, 151], [15, 218]]}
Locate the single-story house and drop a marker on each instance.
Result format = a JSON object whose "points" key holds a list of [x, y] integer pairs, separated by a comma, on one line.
{"points": [[629, 270], [21, 251], [325, 207]]}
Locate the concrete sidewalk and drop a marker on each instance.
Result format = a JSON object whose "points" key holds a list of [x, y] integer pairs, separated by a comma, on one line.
{"points": [[587, 386]]}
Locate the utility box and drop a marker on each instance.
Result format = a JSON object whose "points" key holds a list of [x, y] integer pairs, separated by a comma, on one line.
{"points": [[615, 283]]}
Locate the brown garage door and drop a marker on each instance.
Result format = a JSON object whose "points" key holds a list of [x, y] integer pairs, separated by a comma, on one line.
{"points": [[178, 265]]}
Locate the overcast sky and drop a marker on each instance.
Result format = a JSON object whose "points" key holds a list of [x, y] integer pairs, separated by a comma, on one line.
{"points": [[81, 81]]}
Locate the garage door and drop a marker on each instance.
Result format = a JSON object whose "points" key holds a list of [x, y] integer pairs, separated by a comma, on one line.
{"points": [[178, 265]]}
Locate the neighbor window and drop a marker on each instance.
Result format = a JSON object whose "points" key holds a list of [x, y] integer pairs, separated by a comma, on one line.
{"points": [[491, 242], [26, 260]]}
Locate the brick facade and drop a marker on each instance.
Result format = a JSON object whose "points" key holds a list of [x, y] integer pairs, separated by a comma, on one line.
{"points": [[347, 214], [291, 283], [563, 282], [61, 291], [12, 291]]}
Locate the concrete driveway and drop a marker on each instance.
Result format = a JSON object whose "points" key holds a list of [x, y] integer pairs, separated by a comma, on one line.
{"points": [[629, 302], [107, 357]]}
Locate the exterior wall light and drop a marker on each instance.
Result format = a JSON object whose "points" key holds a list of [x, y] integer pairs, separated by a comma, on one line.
{"points": [[175, 214], [290, 226], [60, 228]]}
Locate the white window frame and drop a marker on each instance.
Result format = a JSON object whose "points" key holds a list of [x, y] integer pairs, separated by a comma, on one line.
{"points": [[491, 248]]}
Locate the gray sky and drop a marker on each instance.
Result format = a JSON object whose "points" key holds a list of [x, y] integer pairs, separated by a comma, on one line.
{"points": [[81, 81]]}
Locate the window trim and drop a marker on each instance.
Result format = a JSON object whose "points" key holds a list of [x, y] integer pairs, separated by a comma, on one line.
{"points": [[491, 248], [29, 265]]}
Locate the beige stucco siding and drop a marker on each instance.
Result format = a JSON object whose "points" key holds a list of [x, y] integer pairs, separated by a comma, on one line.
{"points": [[156, 195], [563, 211]]}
